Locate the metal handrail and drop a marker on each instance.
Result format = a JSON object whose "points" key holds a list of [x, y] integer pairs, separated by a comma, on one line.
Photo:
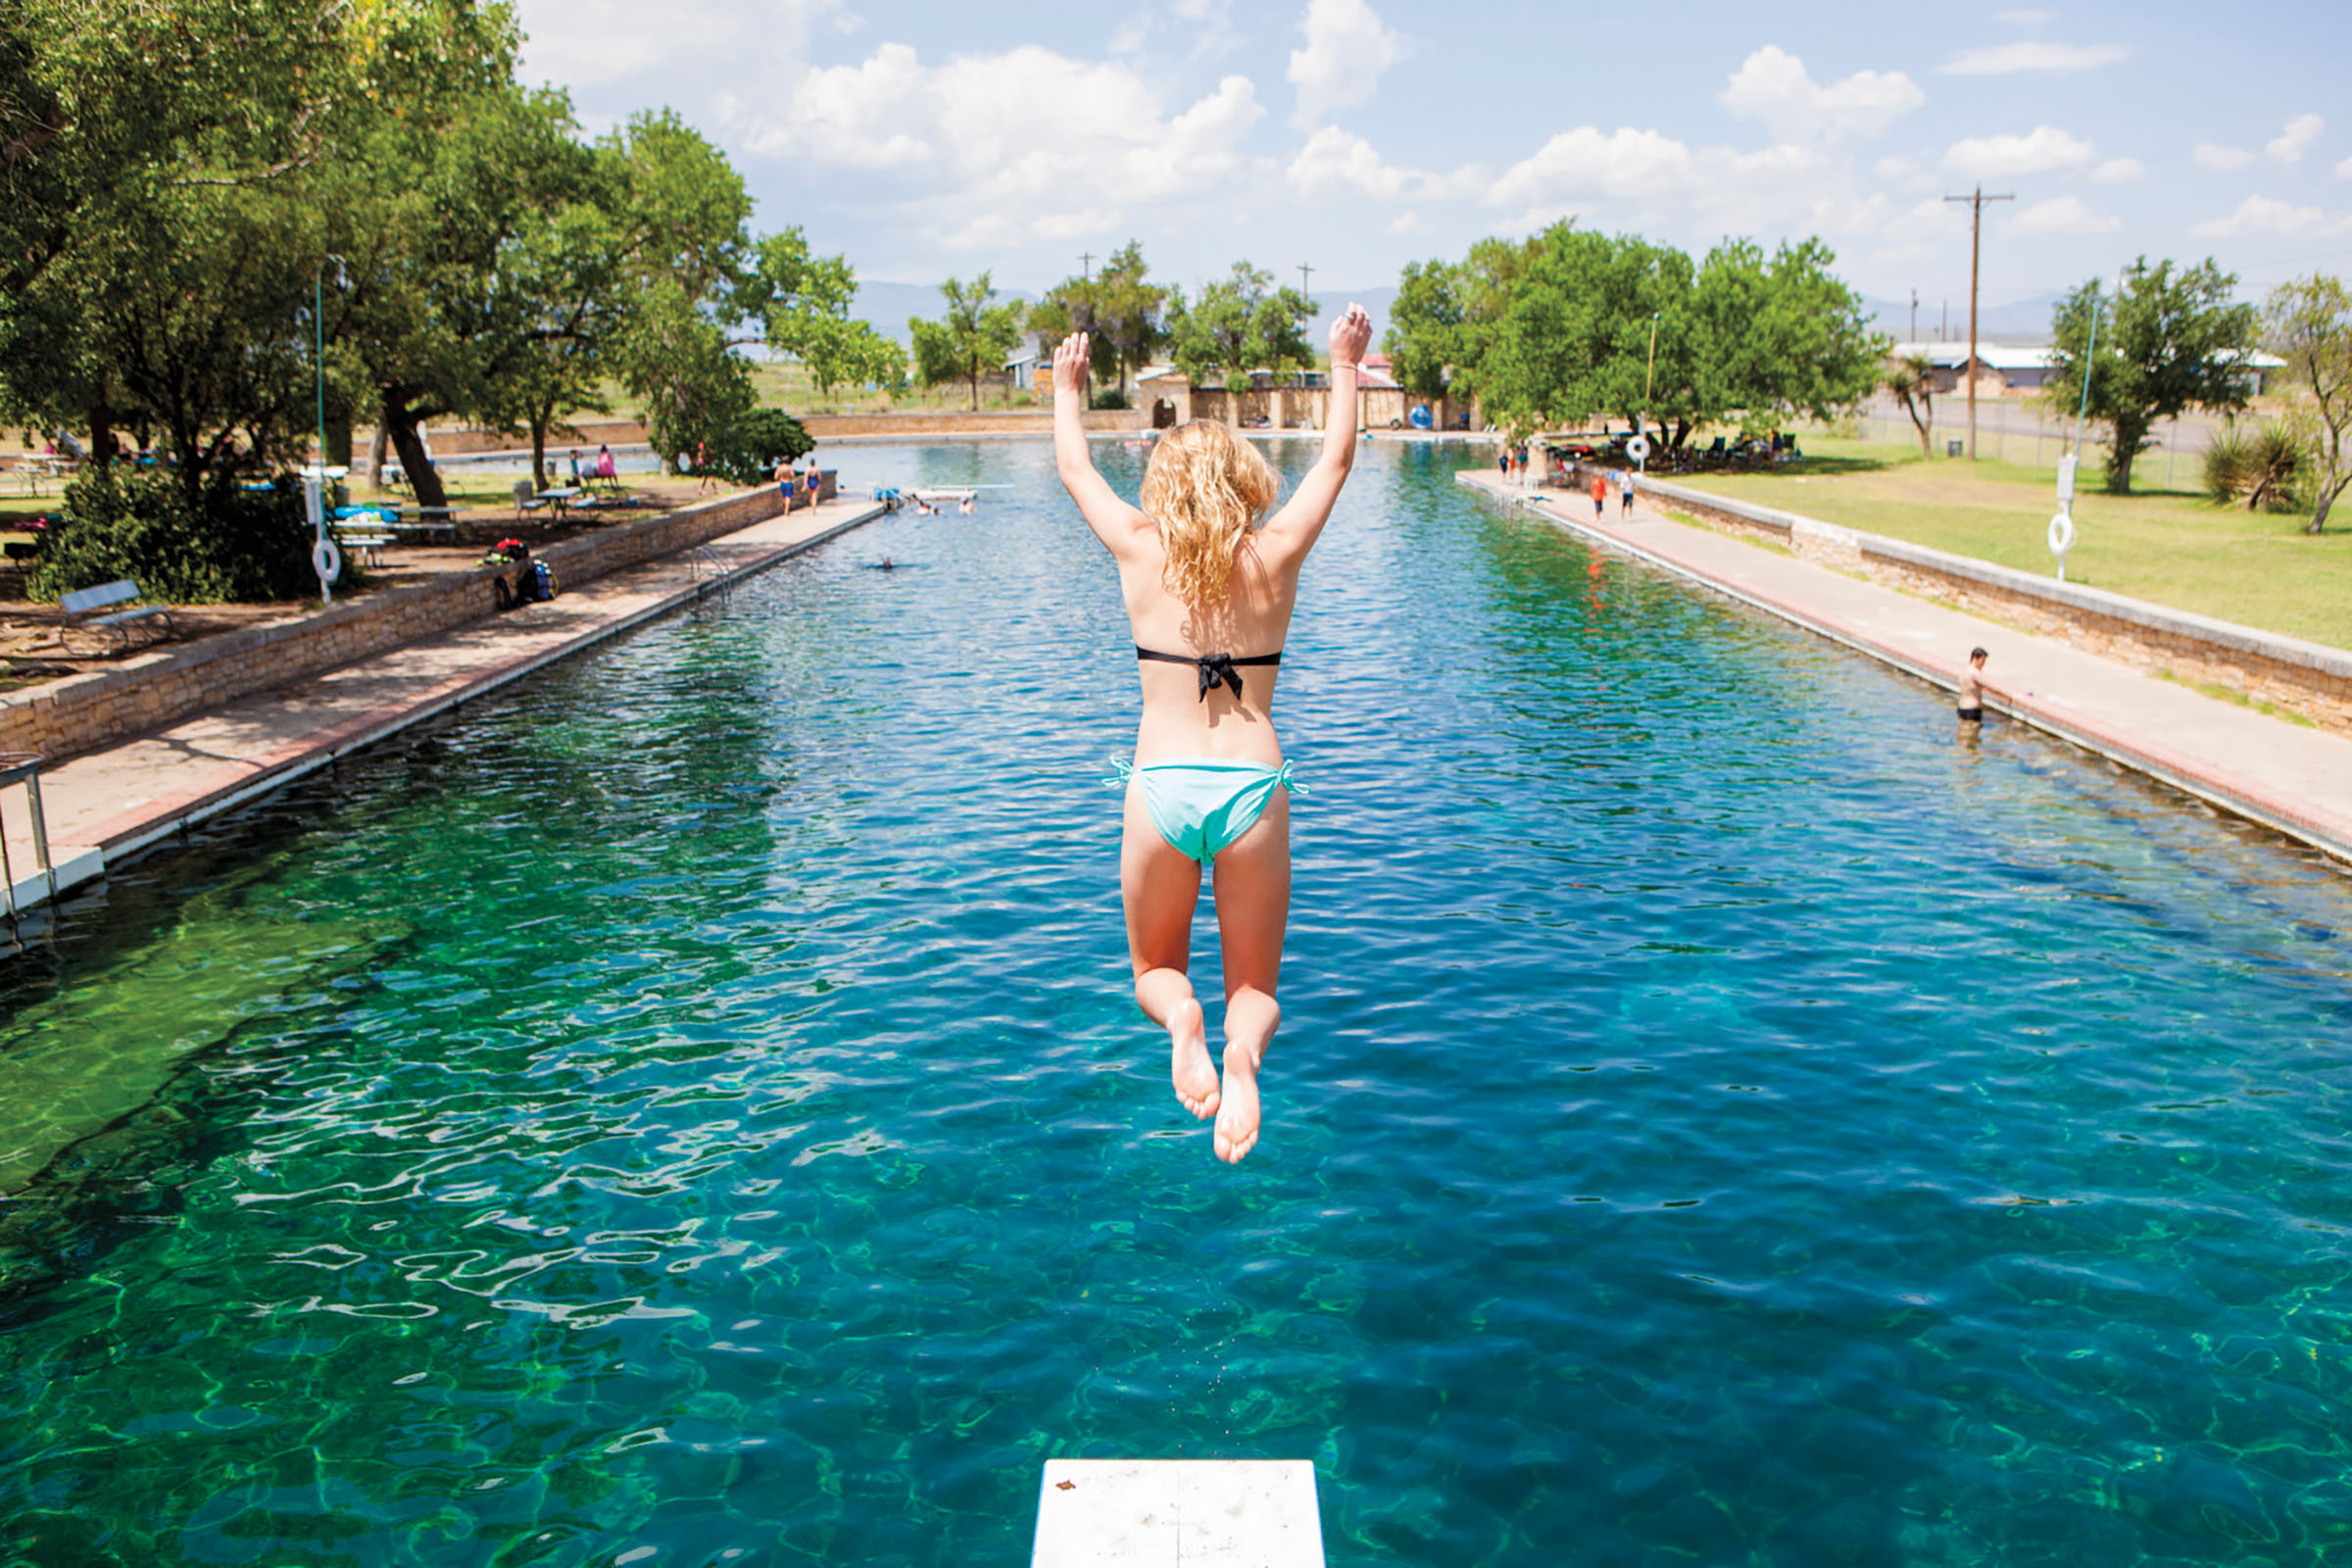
{"points": [[26, 769]]}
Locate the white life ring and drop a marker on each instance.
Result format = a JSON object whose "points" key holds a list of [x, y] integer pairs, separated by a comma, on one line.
{"points": [[2062, 534], [1638, 449], [326, 560]]}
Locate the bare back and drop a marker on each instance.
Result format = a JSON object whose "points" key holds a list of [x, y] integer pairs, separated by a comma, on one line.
{"points": [[1254, 620]]}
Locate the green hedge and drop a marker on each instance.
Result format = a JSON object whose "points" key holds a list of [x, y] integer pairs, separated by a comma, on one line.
{"points": [[243, 546], [747, 451]]}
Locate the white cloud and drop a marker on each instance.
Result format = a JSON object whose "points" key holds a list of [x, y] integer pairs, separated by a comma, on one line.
{"points": [[2062, 215], [2291, 145], [2343, 170], [1773, 86], [2007, 59], [1407, 223], [1622, 163], [2221, 159], [1348, 47], [2115, 170], [1026, 143], [1334, 160], [596, 43], [1894, 167], [2004, 157], [2262, 215], [2025, 19]]}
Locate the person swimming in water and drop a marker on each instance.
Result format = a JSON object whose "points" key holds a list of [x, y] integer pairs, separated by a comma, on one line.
{"points": [[1209, 589]]}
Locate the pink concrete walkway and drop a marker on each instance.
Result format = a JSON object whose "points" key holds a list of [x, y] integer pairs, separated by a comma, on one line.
{"points": [[106, 805], [2292, 778]]}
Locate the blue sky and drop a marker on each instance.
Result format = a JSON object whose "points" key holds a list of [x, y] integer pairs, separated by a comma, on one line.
{"points": [[928, 139]]}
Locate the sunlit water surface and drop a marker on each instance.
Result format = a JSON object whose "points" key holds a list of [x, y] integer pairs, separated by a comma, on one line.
{"points": [[688, 1109]]}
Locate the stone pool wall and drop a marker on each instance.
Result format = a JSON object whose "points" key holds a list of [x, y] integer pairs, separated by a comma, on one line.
{"points": [[2302, 678], [168, 683]]}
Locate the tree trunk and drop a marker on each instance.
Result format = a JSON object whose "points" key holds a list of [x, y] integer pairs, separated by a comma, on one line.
{"points": [[102, 435], [375, 456], [538, 450], [401, 421], [2329, 491]]}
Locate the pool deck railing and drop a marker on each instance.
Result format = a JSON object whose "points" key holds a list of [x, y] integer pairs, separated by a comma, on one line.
{"points": [[109, 803], [2286, 776]]}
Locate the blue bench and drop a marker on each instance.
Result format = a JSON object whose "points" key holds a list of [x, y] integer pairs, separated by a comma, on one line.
{"points": [[80, 606]]}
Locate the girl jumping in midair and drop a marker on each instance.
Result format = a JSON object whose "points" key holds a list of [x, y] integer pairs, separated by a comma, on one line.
{"points": [[1209, 594]]}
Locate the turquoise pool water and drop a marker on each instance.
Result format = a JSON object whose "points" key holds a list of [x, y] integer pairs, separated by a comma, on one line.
{"points": [[687, 1110]]}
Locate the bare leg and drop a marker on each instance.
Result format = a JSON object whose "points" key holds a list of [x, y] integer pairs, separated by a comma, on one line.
{"points": [[1161, 885], [1253, 909]]}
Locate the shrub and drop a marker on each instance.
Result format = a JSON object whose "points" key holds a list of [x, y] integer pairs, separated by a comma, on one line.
{"points": [[2257, 466], [1111, 396], [243, 545], [749, 449]]}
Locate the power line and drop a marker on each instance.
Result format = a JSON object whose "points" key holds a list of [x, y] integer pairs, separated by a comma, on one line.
{"points": [[1976, 200]]}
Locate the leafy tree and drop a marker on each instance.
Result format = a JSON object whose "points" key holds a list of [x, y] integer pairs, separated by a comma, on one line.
{"points": [[1241, 323], [2166, 342], [1129, 311], [802, 301], [119, 116], [747, 451], [970, 340], [1783, 336], [1073, 305], [2309, 325], [1912, 381]]}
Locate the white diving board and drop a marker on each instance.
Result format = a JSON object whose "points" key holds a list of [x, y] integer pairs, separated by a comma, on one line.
{"points": [[1178, 1513]]}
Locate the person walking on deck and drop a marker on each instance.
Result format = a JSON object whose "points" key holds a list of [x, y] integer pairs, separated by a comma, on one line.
{"points": [[1600, 494], [1209, 591]]}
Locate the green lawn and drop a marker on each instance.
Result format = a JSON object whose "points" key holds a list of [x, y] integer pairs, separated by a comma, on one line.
{"points": [[2172, 547]]}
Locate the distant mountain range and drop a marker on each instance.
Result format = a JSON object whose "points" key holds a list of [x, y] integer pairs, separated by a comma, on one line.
{"points": [[889, 306], [2019, 324]]}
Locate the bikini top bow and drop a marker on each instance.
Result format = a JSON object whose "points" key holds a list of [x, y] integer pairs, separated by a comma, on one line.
{"points": [[1216, 670]]}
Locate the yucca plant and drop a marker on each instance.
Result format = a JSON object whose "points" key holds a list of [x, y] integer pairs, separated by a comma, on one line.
{"points": [[2257, 466]]}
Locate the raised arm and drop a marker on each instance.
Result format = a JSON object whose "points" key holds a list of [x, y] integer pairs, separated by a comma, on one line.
{"points": [[1300, 521], [1114, 522]]}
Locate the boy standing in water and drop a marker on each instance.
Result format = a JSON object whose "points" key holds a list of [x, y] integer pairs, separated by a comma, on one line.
{"points": [[1972, 688]]}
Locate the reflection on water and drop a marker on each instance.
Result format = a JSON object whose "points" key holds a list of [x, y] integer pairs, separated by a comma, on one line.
{"points": [[691, 1104]]}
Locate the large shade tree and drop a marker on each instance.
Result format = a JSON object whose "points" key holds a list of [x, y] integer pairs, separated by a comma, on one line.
{"points": [[2167, 341]]}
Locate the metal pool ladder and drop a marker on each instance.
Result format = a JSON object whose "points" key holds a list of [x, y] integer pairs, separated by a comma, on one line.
{"points": [[26, 769]]}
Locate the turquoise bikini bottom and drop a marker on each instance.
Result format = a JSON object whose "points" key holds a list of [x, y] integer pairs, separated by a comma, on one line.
{"points": [[1200, 806]]}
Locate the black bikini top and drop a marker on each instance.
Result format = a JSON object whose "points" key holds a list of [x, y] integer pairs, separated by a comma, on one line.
{"points": [[1214, 668]]}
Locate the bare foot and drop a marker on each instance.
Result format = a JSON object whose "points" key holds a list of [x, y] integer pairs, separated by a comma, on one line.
{"points": [[1188, 1066], [1236, 1122]]}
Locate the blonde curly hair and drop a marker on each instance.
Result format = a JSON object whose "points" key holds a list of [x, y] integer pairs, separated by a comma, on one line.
{"points": [[1205, 490]]}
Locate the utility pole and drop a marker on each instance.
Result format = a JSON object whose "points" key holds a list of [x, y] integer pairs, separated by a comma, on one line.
{"points": [[1976, 200], [1086, 266], [1305, 280], [1914, 315]]}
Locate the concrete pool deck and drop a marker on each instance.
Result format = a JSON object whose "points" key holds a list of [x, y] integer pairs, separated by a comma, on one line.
{"points": [[107, 804], [2297, 780]]}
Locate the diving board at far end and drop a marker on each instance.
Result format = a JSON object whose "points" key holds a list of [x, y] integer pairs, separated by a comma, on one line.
{"points": [[1178, 1513]]}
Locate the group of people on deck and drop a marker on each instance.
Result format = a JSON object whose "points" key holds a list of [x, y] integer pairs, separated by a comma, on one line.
{"points": [[798, 486]]}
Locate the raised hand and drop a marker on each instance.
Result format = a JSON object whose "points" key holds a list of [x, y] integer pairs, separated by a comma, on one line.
{"points": [[1070, 365], [1350, 337]]}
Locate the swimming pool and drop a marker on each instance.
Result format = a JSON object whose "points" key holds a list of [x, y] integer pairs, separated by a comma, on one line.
{"points": [[677, 1113]]}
